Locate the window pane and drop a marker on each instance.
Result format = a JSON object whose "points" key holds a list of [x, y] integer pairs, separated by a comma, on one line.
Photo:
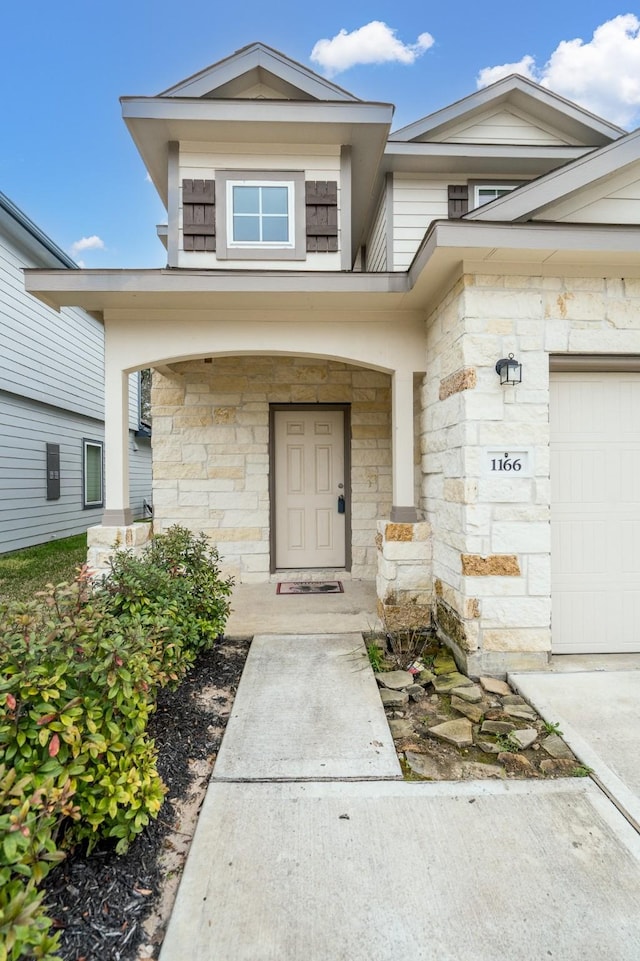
{"points": [[274, 200], [245, 200], [246, 228], [93, 474], [275, 229]]}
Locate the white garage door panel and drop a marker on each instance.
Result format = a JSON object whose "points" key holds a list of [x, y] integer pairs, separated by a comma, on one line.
{"points": [[595, 512]]}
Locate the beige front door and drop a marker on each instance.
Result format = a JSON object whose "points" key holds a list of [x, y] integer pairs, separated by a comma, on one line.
{"points": [[309, 479]]}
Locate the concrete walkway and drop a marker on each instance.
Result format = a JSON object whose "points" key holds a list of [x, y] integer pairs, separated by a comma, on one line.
{"points": [[375, 870]]}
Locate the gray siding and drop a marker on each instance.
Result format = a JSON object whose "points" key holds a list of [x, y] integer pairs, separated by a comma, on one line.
{"points": [[26, 516], [139, 474], [56, 358]]}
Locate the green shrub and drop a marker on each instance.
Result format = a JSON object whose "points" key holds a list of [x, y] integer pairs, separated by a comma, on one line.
{"points": [[29, 819], [79, 671], [177, 577]]}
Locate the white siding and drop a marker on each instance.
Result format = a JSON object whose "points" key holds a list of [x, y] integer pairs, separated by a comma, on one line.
{"points": [[56, 358], [197, 163], [377, 240], [417, 202], [617, 201], [506, 126]]}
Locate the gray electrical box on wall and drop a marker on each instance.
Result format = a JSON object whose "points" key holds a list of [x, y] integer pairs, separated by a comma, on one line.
{"points": [[53, 472]]}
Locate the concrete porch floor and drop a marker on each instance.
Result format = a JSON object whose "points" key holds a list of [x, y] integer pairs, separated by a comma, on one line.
{"points": [[258, 609]]}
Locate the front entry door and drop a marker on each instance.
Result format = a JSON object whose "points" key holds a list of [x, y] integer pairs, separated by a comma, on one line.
{"points": [[309, 479]]}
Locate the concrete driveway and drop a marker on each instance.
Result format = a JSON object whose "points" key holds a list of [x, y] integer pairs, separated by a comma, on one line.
{"points": [[598, 712]]}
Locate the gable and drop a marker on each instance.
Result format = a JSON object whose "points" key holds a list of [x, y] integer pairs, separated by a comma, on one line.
{"points": [[506, 125], [615, 200], [258, 66], [512, 97]]}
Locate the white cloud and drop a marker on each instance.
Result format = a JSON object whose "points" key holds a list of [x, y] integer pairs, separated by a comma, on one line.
{"points": [[373, 43], [87, 243], [602, 74]]}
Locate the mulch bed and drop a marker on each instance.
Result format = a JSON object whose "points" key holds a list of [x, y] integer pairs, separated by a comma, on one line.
{"points": [[100, 902]]}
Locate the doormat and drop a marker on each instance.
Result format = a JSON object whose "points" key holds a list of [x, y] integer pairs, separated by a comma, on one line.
{"points": [[310, 587]]}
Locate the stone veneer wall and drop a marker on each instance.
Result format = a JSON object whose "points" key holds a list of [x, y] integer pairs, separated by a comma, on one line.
{"points": [[491, 550], [211, 450]]}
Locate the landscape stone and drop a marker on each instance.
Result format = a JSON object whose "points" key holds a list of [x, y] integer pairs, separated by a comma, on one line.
{"points": [[395, 680], [435, 769], [393, 699], [556, 747], [558, 766], [497, 727], [472, 693], [400, 728], [473, 711], [517, 764], [488, 747], [458, 732], [444, 663], [447, 682], [493, 686], [521, 711], [415, 692], [479, 771], [425, 677], [513, 699], [524, 737]]}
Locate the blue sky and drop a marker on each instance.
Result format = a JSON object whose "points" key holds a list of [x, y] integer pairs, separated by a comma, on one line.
{"points": [[66, 157]]}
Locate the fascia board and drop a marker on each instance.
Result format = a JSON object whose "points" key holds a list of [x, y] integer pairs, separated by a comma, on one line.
{"points": [[472, 238], [529, 199], [30, 237], [255, 111], [400, 155], [498, 93], [248, 58]]}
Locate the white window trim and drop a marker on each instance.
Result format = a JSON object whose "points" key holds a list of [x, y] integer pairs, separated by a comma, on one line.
{"points": [[86, 443], [263, 244], [228, 249]]}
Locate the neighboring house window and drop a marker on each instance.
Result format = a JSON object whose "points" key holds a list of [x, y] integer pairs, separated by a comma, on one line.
{"points": [[260, 215], [92, 473]]}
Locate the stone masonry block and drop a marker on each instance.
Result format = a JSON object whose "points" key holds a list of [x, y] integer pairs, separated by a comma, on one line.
{"points": [[465, 379], [505, 565]]}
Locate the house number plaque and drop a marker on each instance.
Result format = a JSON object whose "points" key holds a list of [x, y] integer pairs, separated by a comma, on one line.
{"points": [[508, 462]]}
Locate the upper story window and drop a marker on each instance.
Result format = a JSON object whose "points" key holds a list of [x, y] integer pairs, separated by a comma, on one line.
{"points": [[484, 193], [261, 214]]}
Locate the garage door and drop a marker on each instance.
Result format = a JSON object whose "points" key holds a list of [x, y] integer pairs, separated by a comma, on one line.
{"points": [[595, 512]]}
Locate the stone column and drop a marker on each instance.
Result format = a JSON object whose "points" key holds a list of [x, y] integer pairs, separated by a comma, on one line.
{"points": [[405, 578], [403, 506]]}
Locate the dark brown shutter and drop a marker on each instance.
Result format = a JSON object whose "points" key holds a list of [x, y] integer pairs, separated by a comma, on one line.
{"points": [[199, 214], [458, 200], [321, 199], [53, 472]]}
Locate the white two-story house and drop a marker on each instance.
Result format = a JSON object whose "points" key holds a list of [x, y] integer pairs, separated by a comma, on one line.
{"points": [[52, 402], [330, 340]]}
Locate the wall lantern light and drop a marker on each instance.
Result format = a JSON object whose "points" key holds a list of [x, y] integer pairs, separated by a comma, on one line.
{"points": [[510, 370]]}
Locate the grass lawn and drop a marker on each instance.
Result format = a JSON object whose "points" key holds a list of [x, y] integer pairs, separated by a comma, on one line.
{"points": [[22, 573]]}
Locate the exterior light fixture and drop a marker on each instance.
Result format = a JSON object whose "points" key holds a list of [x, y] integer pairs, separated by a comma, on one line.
{"points": [[510, 370]]}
